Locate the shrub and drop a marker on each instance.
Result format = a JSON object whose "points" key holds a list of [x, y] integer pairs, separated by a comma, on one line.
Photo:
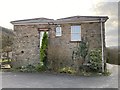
{"points": [[83, 50], [95, 60], [40, 68], [28, 68], [67, 70], [43, 49]]}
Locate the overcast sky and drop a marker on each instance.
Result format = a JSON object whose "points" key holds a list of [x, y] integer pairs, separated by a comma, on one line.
{"points": [[54, 9]]}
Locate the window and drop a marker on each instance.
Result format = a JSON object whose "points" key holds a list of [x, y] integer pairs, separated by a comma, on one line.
{"points": [[76, 33], [58, 31]]}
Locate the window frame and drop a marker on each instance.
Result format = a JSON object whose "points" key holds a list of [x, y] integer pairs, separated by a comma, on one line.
{"points": [[77, 40]]}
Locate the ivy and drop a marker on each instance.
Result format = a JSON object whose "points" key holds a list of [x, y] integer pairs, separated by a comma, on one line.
{"points": [[83, 49], [93, 62]]}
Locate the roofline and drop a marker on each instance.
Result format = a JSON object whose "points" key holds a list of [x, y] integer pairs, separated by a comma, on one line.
{"points": [[85, 16], [28, 23], [98, 21], [30, 19], [18, 22]]}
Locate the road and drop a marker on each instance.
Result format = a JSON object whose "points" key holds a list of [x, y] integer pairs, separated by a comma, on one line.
{"points": [[47, 80]]}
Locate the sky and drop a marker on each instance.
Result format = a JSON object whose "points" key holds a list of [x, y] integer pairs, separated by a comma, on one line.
{"points": [[25, 9]]}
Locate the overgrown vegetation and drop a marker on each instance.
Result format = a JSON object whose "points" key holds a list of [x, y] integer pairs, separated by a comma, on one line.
{"points": [[29, 68], [6, 39], [95, 60], [68, 70], [92, 60], [43, 49], [83, 50], [4, 61], [40, 68], [94, 64]]}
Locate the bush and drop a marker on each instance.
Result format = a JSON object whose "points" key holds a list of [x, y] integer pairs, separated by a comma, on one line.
{"points": [[83, 49], [67, 70], [28, 68], [95, 60], [40, 68]]}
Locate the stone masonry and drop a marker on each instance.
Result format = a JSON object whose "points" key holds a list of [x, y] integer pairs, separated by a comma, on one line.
{"points": [[26, 48], [60, 49]]}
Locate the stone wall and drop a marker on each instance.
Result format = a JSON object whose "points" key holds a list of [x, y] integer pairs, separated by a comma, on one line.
{"points": [[60, 49], [26, 46]]}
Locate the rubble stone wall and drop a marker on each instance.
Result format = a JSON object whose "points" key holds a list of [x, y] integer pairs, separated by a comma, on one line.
{"points": [[60, 48], [26, 45]]}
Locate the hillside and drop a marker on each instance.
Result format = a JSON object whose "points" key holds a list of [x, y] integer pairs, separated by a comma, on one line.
{"points": [[6, 38], [6, 31]]}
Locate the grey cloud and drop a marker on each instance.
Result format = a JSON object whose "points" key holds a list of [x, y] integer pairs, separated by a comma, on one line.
{"points": [[109, 9], [111, 40], [112, 31]]}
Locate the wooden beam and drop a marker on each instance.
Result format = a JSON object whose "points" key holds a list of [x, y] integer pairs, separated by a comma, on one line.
{"points": [[43, 29]]}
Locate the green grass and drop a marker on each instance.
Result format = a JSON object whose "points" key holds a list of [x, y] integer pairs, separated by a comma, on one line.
{"points": [[2, 61]]}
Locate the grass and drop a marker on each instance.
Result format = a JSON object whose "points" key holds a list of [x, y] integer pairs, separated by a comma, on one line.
{"points": [[2, 61]]}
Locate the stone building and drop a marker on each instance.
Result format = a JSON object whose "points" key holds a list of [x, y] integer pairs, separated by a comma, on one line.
{"points": [[65, 34]]}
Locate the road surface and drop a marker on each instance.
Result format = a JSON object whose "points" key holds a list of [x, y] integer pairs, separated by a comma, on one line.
{"points": [[47, 80]]}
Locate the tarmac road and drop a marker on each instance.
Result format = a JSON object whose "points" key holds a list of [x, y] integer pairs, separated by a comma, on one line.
{"points": [[47, 80]]}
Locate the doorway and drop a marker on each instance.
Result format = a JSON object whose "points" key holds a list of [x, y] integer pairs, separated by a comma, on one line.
{"points": [[43, 47]]}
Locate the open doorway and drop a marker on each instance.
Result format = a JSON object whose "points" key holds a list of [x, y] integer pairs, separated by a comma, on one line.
{"points": [[43, 47]]}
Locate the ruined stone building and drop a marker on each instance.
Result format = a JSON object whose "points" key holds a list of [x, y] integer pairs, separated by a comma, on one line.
{"points": [[64, 36]]}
